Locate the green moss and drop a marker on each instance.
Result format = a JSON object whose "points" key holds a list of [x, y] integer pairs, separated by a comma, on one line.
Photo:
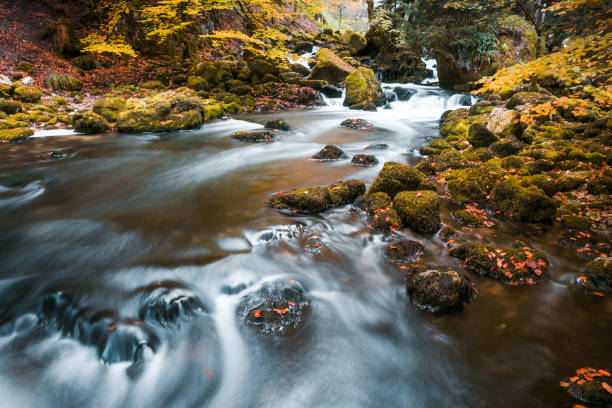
{"points": [[480, 136], [109, 108], [506, 147], [473, 184], [395, 177], [12, 123], [467, 218], [362, 88], [197, 83], [576, 222], [450, 159], [345, 192], [63, 82], [153, 85], [419, 210], [524, 204], [164, 112], [438, 290], [545, 183], [39, 116], [89, 122], [386, 219], [601, 269], [374, 202], [26, 93], [516, 265], [512, 162], [213, 111], [16, 134], [305, 201], [435, 147], [9, 107], [330, 67]]}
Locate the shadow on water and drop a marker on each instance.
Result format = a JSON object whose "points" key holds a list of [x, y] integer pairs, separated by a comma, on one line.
{"points": [[124, 260]]}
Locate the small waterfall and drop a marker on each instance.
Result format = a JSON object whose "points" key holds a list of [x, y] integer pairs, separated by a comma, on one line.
{"points": [[302, 59], [334, 101], [432, 65]]}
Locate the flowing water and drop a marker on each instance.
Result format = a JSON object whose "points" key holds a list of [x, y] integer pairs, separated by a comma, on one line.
{"points": [[112, 221]]}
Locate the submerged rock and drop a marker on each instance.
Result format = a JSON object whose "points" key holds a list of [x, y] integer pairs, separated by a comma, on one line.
{"points": [[278, 124], [403, 94], [168, 306], [276, 308], [419, 210], [330, 152], [317, 199], [517, 265], [167, 111], [395, 177], [404, 251], [600, 270], [591, 385], [254, 136], [361, 124], [379, 146], [439, 290], [364, 160]]}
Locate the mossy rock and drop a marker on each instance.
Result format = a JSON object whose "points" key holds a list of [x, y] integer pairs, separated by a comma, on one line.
{"points": [[12, 123], [404, 252], [15, 134], [600, 185], [153, 84], [330, 152], [386, 220], [576, 222], [364, 160], [506, 147], [467, 218], [278, 124], [213, 111], [363, 89], [545, 183], [480, 108], [517, 265], [529, 204], [588, 386], [479, 154], [109, 108], [540, 166], [39, 116], [373, 203], [453, 122], [419, 210], [330, 67], [450, 159], [345, 192], [600, 269], [9, 107], [6, 90], [89, 123], [254, 136], [439, 290], [167, 111], [303, 201], [435, 147], [395, 177], [473, 184], [355, 42], [524, 98], [480, 136], [63, 82], [59, 100], [27, 94], [197, 83]]}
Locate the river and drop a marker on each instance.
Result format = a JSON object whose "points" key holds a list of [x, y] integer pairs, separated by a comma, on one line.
{"points": [[113, 218]]}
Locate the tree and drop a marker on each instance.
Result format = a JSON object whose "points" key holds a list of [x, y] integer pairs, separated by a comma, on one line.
{"points": [[341, 5]]}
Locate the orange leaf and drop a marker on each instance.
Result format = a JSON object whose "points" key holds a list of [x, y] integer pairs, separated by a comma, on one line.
{"points": [[291, 304], [257, 313], [607, 387], [564, 384], [598, 294]]}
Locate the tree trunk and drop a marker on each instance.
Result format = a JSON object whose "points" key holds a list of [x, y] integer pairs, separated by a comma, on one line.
{"points": [[370, 9], [340, 21]]}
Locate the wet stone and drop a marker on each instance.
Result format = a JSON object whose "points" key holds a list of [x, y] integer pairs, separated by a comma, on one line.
{"points": [[404, 251], [331, 91], [379, 146], [278, 124], [277, 308], [257, 136], [360, 124], [439, 290], [330, 152], [590, 385], [170, 306], [364, 160], [403, 94]]}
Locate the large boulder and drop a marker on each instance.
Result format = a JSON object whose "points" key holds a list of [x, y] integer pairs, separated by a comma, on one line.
{"points": [[330, 67], [419, 210], [16, 134], [591, 386], [395, 177], [480, 136], [355, 42], [167, 111], [89, 123], [363, 91], [526, 204]]}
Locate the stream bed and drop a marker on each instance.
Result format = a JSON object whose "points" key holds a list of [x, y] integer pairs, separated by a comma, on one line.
{"points": [[94, 227]]}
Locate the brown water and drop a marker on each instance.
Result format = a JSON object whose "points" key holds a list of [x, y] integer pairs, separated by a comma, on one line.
{"points": [[121, 212]]}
